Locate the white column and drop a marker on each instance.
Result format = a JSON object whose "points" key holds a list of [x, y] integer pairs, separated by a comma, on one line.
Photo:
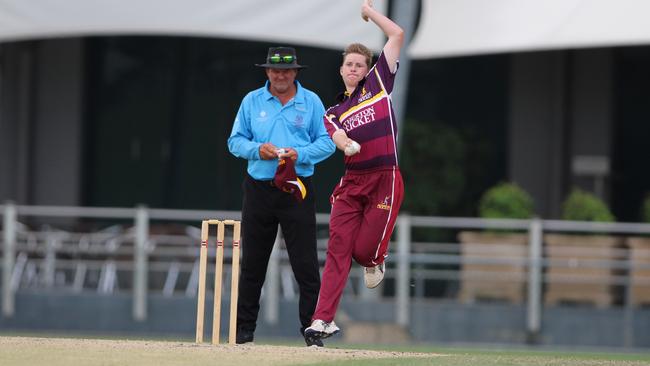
{"points": [[9, 242], [534, 308], [402, 295], [405, 14], [272, 284], [140, 269]]}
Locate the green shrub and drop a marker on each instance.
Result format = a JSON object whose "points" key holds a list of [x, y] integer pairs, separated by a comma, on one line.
{"points": [[506, 201], [645, 209], [584, 206]]}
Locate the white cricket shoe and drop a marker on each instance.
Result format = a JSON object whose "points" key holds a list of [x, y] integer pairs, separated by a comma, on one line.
{"points": [[373, 276], [320, 329], [331, 329]]}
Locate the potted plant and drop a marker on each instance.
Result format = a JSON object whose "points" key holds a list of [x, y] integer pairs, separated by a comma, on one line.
{"points": [[639, 254], [585, 206], [505, 277], [582, 256], [506, 201]]}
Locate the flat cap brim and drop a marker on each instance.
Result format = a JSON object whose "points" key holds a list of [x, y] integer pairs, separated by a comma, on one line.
{"points": [[282, 66]]}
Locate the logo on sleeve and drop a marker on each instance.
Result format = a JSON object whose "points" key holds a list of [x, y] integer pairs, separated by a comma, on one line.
{"points": [[385, 205]]}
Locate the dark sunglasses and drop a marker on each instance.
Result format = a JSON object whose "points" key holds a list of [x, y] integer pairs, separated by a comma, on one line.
{"points": [[282, 59]]}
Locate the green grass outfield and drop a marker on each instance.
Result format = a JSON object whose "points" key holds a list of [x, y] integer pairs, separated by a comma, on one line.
{"points": [[35, 349], [498, 356]]}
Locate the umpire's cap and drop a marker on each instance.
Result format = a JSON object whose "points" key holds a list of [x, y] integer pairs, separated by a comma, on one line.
{"points": [[282, 58]]}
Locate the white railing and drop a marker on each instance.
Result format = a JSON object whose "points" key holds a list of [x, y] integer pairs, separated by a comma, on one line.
{"points": [[140, 251]]}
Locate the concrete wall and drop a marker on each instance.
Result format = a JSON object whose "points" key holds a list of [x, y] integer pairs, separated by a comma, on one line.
{"points": [[537, 127], [592, 120], [432, 321], [560, 113], [40, 122], [16, 73], [57, 138]]}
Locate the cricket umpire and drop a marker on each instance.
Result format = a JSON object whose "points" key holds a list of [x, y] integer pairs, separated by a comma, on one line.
{"points": [[280, 120]]}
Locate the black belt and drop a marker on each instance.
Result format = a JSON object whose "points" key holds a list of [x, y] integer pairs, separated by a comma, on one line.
{"points": [[272, 183]]}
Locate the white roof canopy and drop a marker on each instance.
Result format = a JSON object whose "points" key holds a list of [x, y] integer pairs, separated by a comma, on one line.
{"points": [[447, 27], [319, 23], [470, 27]]}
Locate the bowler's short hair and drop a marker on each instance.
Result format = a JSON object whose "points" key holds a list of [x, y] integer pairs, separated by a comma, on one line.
{"points": [[360, 49]]}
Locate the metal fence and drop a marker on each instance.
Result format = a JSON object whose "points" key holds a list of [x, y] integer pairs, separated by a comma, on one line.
{"points": [[143, 250]]}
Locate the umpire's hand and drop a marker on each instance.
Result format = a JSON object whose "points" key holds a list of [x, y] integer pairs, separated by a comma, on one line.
{"points": [[268, 151]]}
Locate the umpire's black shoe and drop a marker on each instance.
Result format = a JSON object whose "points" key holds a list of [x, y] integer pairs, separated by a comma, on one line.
{"points": [[244, 336], [310, 340], [313, 341]]}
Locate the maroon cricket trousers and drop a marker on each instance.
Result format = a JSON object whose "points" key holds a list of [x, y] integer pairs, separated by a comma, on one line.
{"points": [[365, 205]]}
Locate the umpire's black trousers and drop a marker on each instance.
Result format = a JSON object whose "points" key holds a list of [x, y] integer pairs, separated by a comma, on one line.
{"points": [[265, 206]]}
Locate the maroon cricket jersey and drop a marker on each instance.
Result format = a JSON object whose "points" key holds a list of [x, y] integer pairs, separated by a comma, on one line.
{"points": [[367, 117]]}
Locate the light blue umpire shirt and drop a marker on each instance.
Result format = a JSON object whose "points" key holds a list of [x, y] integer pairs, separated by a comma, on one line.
{"points": [[298, 124]]}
